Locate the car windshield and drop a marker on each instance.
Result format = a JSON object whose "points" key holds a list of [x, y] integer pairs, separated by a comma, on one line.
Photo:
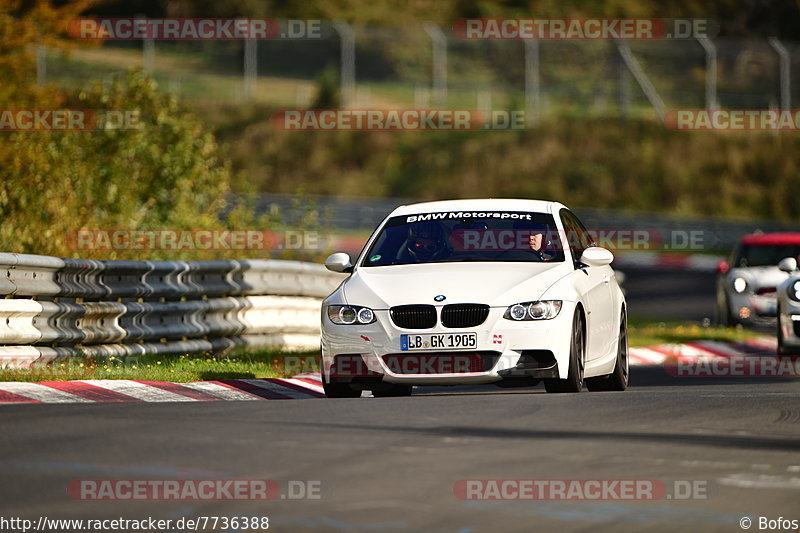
{"points": [[765, 255], [466, 236]]}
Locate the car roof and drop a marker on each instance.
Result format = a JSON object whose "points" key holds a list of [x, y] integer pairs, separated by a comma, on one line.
{"points": [[771, 239], [479, 204]]}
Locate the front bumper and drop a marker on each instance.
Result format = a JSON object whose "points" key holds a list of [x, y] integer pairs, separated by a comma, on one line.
{"points": [[505, 348], [753, 308]]}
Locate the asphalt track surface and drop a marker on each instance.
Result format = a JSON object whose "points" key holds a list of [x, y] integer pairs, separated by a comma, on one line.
{"points": [[391, 464], [673, 294]]}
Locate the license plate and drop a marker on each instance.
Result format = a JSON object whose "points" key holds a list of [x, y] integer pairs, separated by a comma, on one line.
{"points": [[439, 341]]}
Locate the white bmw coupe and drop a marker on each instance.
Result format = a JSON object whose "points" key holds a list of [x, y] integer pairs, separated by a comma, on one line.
{"points": [[458, 292]]}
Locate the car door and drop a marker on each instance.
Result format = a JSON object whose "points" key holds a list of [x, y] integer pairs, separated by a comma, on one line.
{"points": [[595, 284]]}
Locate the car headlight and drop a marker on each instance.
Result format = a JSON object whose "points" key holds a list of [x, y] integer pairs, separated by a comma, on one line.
{"points": [[541, 310], [794, 291], [345, 315], [739, 285]]}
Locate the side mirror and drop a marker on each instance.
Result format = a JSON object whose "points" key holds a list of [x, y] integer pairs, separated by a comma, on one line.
{"points": [[788, 264], [722, 267], [596, 256], [339, 262]]}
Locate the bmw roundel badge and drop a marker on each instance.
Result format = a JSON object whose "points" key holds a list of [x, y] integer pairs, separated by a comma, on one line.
{"points": [[439, 298]]}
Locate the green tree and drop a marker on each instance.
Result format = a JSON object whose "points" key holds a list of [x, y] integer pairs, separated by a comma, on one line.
{"points": [[167, 173]]}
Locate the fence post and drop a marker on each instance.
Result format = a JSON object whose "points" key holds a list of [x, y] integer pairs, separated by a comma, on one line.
{"points": [[533, 96], [250, 67], [348, 62], [711, 72], [439, 46], [41, 65], [484, 101], [785, 73], [624, 88], [642, 79], [148, 49], [422, 96]]}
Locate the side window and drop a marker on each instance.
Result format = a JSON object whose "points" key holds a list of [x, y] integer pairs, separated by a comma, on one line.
{"points": [[577, 236], [587, 239]]}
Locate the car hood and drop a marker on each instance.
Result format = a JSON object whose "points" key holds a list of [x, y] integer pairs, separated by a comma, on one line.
{"points": [[495, 284]]}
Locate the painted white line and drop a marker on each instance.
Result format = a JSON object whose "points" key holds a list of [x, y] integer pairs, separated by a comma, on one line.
{"points": [[274, 387], [220, 391], [765, 343], [703, 262], [43, 393], [689, 352], [696, 262], [635, 361], [650, 357], [760, 481], [316, 376], [306, 384], [720, 346], [749, 395], [139, 391]]}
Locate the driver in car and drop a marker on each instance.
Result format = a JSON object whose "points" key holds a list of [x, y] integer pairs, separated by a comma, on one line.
{"points": [[541, 246], [426, 242]]}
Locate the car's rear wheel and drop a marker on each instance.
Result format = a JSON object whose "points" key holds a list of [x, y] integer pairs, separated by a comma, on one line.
{"points": [[618, 379], [393, 390], [339, 390], [577, 358]]}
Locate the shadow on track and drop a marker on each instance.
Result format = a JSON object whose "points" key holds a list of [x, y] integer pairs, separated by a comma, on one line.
{"points": [[716, 441]]}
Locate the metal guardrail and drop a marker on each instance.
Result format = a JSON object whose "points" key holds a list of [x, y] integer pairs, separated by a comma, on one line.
{"points": [[55, 307]]}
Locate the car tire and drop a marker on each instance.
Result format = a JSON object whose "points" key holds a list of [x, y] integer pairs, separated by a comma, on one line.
{"points": [[339, 390], [392, 392], [619, 378], [577, 359]]}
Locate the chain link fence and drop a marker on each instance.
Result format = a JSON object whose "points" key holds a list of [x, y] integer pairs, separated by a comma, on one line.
{"points": [[428, 66]]}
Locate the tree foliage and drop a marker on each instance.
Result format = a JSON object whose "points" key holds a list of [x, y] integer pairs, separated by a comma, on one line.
{"points": [[165, 174], [780, 18], [603, 163]]}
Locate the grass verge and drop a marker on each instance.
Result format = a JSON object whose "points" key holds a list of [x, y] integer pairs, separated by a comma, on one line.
{"points": [[649, 333], [178, 368]]}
